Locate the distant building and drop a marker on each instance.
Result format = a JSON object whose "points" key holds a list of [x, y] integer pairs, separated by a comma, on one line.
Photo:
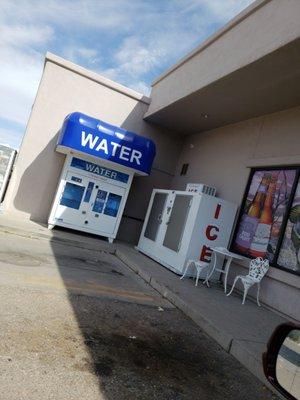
{"points": [[7, 156]]}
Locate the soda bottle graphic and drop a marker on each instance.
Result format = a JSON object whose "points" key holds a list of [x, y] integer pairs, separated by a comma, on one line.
{"points": [[250, 219], [262, 234]]}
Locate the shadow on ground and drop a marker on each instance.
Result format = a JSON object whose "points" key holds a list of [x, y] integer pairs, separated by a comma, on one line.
{"points": [[141, 348]]}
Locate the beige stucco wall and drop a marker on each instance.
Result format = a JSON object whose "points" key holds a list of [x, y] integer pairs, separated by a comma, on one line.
{"points": [[66, 88], [260, 29], [222, 157]]}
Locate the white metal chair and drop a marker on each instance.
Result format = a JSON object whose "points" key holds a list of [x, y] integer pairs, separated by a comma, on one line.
{"points": [[257, 270], [198, 265]]}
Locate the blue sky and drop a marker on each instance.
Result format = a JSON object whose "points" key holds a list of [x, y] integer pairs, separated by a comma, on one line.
{"points": [[129, 41]]}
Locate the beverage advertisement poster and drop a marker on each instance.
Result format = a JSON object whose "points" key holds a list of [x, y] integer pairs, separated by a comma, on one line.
{"points": [[289, 255], [263, 212]]}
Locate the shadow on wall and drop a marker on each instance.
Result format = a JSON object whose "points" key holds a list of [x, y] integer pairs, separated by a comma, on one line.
{"points": [[168, 148], [38, 183]]}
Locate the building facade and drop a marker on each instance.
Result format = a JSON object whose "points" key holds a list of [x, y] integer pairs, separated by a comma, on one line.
{"points": [[227, 111]]}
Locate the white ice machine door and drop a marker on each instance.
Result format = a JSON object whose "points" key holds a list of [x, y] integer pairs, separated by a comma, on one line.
{"points": [[176, 221], [153, 227], [167, 219], [164, 237]]}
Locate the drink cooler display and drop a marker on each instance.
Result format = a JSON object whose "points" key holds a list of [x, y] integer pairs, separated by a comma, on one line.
{"points": [[180, 225]]}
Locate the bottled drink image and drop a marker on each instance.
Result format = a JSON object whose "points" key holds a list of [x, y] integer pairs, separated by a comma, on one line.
{"points": [[250, 219], [262, 234]]}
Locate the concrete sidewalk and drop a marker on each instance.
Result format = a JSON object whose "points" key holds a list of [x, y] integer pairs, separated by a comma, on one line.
{"points": [[27, 228], [242, 331]]}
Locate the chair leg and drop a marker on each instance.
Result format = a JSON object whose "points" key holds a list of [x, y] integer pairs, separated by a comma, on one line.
{"points": [[186, 269], [227, 266], [198, 275], [234, 282], [257, 296], [211, 271], [246, 288], [207, 283]]}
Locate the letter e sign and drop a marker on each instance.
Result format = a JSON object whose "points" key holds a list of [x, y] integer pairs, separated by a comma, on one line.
{"points": [[206, 253]]}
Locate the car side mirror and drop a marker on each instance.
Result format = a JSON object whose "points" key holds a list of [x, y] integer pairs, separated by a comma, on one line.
{"points": [[281, 361]]}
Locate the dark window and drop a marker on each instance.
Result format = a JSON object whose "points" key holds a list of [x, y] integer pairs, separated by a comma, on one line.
{"points": [[184, 169], [112, 205], [99, 201], [72, 195], [269, 220], [88, 192]]}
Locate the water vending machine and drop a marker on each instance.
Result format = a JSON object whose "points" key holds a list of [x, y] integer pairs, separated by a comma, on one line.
{"points": [[181, 225], [101, 160]]}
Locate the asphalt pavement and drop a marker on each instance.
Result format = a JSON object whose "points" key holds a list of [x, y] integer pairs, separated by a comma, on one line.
{"points": [[77, 323]]}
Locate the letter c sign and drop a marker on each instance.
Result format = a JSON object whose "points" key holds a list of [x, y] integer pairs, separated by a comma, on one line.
{"points": [[209, 232]]}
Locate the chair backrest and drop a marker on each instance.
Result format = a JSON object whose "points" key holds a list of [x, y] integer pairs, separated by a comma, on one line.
{"points": [[258, 268]]}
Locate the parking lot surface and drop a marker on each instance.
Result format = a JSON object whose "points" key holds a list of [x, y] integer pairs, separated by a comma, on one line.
{"points": [[78, 324]]}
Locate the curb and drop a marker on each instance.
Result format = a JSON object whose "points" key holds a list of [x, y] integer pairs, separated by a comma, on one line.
{"points": [[39, 235]]}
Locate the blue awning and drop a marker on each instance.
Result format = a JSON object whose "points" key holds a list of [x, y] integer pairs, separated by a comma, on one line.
{"points": [[101, 140]]}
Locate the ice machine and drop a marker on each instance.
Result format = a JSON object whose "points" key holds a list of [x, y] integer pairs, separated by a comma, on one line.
{"points": [[181, 225]]}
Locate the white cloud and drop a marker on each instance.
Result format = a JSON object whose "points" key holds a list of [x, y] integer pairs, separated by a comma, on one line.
{"points": [[134, 58], [86, 52], [21, 35], [10, 137], [72, 14], [223, 10], [19, 79], [219, 9], [81, 55], [20, 69]]}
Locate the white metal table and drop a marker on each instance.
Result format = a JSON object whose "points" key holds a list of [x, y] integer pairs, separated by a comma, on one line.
{"points": [[229, 256]]}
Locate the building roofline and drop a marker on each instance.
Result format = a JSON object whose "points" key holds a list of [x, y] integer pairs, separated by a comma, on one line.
{"points": [[95, 77], [252, 8]]}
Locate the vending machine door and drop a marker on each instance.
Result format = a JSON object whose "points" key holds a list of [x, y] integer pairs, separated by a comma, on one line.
{"points": [[177, 222], [71, 205], [168, 222], [155, 217], [104, 207]]}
